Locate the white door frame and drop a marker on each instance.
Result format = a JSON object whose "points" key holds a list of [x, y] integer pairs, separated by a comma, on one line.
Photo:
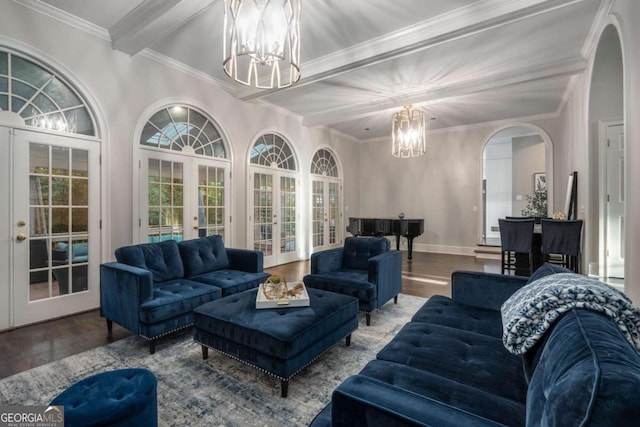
{"points": [[190, 185], [339, 219], [603, 126], [276, 257], [23, 310]]}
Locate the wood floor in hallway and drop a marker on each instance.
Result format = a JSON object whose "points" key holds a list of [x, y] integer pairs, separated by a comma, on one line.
{"points": [[30, 346]]}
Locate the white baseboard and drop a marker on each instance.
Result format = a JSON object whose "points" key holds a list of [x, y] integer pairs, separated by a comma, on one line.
{"points": [[442, 249]]}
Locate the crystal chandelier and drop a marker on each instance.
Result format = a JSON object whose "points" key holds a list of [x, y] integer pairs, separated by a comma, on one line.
{"points": [[408, 133], [262, 42]]}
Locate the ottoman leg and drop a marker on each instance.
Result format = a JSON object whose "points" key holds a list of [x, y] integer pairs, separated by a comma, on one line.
{"points": [[395, 299], [109, 326], [284, 387], [368, 317], [205, 352], [152, 346], [348, 340]]}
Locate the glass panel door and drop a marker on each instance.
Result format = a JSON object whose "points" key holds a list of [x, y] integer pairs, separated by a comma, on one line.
{"points": [[56, 226], [325, 214], [275, 217], [182, 197]]}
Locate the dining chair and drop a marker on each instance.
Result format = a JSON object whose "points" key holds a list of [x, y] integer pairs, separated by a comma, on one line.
{"points": [[561, 242], [516, 237]]}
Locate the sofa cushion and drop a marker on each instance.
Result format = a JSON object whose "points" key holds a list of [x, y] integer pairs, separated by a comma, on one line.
{"points": [[176, 297], [586, 373], [547, 269], [354, 283], [450, 392], [477, 360], [231, 281], [441, 310], [161, 259], [358, 250], [203, 255]]}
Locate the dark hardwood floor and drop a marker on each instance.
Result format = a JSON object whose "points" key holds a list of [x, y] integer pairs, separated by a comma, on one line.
{"points": [[30, 346]]}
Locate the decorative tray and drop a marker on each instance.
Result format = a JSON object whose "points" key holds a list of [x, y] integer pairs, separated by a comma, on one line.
{"points": [[298, 297]]}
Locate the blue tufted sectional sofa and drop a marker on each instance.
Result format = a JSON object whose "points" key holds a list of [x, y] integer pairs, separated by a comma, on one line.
{"points": [[153, 288], [449, 367]]}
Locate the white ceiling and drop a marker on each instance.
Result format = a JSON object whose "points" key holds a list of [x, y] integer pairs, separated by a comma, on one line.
{"points": [[463, 61]]}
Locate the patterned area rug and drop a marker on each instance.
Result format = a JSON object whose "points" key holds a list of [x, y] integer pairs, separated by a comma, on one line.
{"points": [[218, 391]]}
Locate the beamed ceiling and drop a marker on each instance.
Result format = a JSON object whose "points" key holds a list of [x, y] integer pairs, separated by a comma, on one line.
{"points": [[465, 62]]}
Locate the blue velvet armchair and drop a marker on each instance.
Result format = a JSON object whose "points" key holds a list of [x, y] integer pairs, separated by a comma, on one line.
{"points": [[364, 268]]}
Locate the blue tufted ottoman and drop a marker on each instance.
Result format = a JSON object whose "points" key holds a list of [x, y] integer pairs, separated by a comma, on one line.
{"points": [[279, 341], [124, 398]]}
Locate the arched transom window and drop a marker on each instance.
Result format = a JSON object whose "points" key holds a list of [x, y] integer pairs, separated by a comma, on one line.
{"points": [[41, 97], [324, 164], [181, 128], [273, 151]]}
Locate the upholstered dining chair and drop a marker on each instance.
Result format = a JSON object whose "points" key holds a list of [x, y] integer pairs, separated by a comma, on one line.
{"points": [[516, 237], [561, 242]]}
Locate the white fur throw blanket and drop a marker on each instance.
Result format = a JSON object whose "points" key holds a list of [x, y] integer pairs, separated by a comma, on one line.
{"points": [[531, 310]]}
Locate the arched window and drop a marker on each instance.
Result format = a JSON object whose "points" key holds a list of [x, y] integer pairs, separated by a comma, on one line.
{"points": [[273, 183], [271, 150], [181, 128], [324, 164], [184, 176], [325, 200], [42, 97]]}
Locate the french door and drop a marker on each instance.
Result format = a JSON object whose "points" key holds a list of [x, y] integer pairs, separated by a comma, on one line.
{"points": [[182, 197], [54, 232], [274, 215], [615, 226], [325, 208]]}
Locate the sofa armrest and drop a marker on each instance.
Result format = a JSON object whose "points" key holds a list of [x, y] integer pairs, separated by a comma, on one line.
{"points": [[325, 261], [484, 290], [386, 269], [363, 401], [123, 288], [245, 260]]}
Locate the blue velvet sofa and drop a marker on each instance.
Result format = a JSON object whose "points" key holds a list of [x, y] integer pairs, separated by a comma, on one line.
{"points": [[448, 367], [364, 268], [153, 288]]}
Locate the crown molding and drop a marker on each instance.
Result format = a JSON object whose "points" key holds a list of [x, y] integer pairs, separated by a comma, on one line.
{"points": [[600, 21], [462, 22], [180, 66], [66, 18], [515, 121]]}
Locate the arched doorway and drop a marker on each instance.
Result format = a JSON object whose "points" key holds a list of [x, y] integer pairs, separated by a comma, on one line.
{"points": [[605, 248], [517, 178], [184, 176], [50, 161], [273, 199], [326, 201]]}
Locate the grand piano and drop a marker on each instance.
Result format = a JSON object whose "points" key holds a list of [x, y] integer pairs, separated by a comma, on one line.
{"points": [[409, 228]]}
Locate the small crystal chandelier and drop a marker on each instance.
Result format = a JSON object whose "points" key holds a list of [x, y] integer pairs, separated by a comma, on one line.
{"points": [[262, 42], [408, 133]]}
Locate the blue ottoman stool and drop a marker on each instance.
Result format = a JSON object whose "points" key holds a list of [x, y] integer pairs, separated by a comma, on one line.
{"points": [[279, 341], [126, 397]]}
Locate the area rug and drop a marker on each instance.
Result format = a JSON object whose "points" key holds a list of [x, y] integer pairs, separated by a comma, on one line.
{"points": [[218, 391]]}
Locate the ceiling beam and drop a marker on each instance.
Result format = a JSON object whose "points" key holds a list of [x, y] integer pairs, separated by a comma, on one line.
{"points": [[495, 81], [151, 20], [477, 17]]}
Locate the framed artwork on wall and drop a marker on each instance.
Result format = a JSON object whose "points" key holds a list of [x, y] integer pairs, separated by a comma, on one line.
{"points": [[539, 181]]}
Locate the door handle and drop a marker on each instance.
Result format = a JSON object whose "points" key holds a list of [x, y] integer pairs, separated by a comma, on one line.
{"points": [[21, 237]]}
